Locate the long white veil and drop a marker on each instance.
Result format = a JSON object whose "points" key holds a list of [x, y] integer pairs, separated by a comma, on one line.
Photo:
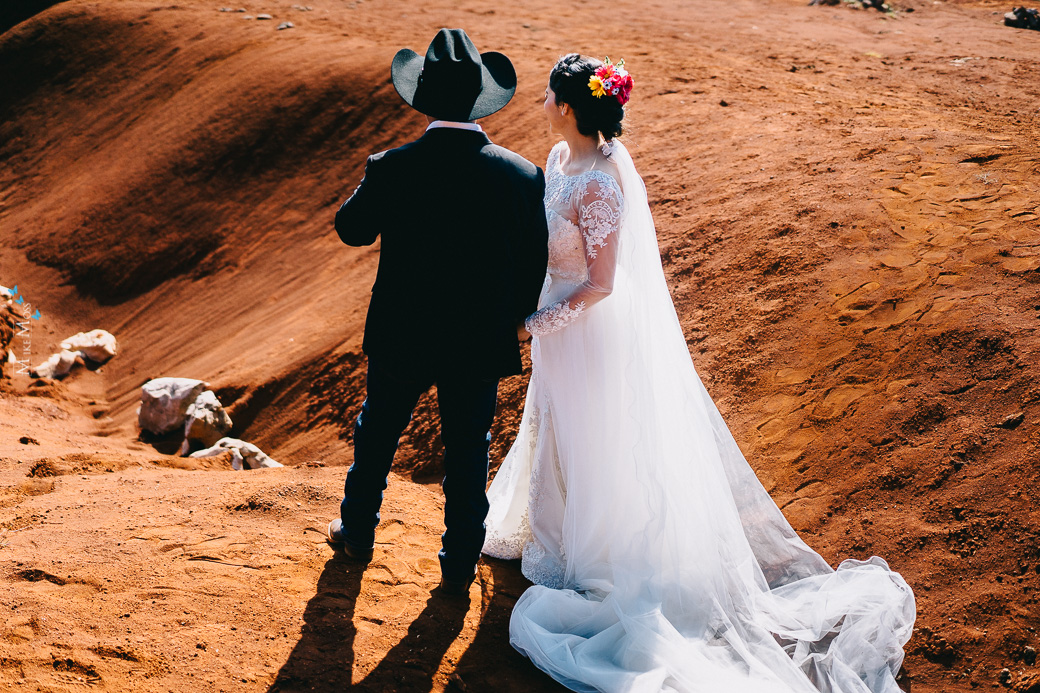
{"points": [[683, 574]]}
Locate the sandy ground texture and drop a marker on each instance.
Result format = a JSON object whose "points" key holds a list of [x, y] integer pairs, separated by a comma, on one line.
{"points": [[847, 207]]}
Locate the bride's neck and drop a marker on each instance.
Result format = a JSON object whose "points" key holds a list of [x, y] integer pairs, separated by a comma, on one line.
{"points": [[582, 149]]}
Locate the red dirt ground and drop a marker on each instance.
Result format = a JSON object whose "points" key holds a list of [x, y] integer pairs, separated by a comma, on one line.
{"points": [[847, 206]]}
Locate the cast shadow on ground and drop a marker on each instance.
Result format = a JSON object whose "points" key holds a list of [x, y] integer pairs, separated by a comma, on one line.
{"points": [[323, 658], [490, 663], [413, 662]]}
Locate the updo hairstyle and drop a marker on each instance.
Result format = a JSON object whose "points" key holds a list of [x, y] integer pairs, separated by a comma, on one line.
{"points": [[569, 80]]}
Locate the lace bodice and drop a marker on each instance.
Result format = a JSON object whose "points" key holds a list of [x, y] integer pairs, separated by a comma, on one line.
{"points": [[584, 213], [566, 251]]}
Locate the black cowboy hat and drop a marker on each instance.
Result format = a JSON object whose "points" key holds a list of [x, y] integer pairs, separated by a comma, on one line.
{"points": [[453, 81]]}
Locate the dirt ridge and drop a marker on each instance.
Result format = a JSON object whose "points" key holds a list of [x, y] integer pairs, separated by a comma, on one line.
{"points": [[846, 208]]}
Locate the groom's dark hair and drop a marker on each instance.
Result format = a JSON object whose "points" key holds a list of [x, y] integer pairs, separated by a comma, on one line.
{"points": [[569, 80]]}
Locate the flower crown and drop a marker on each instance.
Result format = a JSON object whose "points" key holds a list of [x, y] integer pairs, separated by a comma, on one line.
{"points": [[612, 79]]}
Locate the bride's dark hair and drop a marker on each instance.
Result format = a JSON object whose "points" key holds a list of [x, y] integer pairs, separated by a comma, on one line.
{"points": [[569, 80]]}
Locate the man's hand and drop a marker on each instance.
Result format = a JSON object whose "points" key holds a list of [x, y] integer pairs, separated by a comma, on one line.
{"points": [[521, 333]]}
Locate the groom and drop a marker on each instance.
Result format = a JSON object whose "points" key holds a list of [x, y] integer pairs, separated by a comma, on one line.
{"points": [[462, 261]]}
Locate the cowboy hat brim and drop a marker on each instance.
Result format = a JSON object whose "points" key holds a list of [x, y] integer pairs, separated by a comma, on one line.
{"points": [[498, 84]]}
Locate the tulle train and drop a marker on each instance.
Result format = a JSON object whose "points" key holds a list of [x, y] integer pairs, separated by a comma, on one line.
{"points": [[661, 562]]}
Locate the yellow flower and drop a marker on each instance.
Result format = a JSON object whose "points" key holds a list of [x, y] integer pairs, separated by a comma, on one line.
{"points": [[597, 87]]}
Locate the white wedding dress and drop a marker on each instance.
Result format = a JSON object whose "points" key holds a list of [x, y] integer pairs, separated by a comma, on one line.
{"points": [[660, 563]]}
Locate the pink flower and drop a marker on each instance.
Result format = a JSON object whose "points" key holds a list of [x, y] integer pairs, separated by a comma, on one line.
{"points": [[626, 89]]}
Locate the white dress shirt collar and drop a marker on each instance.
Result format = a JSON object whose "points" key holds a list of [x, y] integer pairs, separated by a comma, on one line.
{"points": [[454, 124]]}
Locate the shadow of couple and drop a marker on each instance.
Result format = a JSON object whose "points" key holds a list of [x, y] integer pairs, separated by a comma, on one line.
{"points": [[323, 659]]}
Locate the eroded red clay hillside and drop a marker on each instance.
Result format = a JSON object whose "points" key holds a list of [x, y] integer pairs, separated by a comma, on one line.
{"points": [[847, 209]]}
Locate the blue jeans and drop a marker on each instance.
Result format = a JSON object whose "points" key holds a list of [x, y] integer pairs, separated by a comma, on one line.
{"points": [[467, 409]]}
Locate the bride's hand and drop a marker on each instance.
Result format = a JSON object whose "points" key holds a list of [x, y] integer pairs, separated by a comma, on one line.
{"points": [[521, 333]]}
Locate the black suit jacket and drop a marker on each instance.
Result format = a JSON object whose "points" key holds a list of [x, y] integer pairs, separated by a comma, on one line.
{"points": [[463, 255]]}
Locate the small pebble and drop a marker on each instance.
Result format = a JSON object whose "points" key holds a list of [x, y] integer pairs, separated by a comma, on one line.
{"points": [[264, 16], [1012, 421], [285, 25], [1029, 655]]}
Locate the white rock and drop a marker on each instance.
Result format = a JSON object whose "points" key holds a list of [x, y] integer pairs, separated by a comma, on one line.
{"points": [[236, 459], [96, 345], [243, 454], [165, 402], [285, 25], [5, 292], [264, 16], [57, 365], [205, 421]]}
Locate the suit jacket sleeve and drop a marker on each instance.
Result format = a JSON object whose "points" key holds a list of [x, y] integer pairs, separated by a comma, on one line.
{"points": [[534, 249], [358, 219]]}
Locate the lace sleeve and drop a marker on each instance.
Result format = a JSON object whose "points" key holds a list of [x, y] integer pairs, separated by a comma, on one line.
{"points": [[600, 209]]}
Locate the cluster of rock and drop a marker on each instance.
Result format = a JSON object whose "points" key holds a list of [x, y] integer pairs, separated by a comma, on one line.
{"points": [[168, 404], [96, 347], [1021, 18], [879, 5], [265, 16]]}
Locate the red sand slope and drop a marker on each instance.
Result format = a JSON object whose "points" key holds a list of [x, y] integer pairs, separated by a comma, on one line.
{"points": [[847, 210]]}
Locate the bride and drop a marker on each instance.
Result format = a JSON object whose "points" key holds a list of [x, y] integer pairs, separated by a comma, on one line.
{"points": [[660, 563]]}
